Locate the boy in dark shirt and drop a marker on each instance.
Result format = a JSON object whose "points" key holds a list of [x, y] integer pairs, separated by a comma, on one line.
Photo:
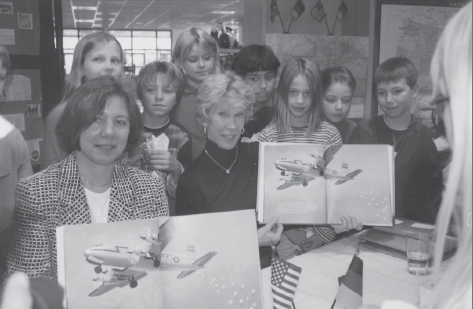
{"points": [[418, 180], [160, 86], [258, 66]]}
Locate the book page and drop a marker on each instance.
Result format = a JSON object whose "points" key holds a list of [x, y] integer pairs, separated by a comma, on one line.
{"points": [[111, 246], [230, 278], [293, 188], [359, 184]]}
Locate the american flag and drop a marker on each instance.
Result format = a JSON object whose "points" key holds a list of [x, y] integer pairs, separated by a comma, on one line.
{"points": [[274, 11], [284, 279], [318, 11]]}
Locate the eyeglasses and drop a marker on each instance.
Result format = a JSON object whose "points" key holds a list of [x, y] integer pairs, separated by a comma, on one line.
{"points": [[437, 113]]}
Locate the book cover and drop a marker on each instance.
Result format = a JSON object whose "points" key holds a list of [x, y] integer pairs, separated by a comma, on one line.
{"points": [[317, 184], [176, 262]]}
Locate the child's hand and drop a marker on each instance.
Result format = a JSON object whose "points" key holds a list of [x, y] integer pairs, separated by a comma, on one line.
{"points": [[348, 223], [270, 234], [311, 243], [164, 161]]}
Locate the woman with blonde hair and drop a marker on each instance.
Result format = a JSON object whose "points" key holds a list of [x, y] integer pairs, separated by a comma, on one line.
{"points": [[451, 73], [196, 54]]}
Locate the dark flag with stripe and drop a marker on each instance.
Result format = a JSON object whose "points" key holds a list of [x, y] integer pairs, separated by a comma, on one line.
{"points": [[298, 9], [284, 279], [274, 11], [350, 293], [342, 11], [318, 11]]}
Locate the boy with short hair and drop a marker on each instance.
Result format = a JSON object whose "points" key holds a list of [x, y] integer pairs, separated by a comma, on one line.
{"points": [[258, 66], [418, 180], [160, 86]]}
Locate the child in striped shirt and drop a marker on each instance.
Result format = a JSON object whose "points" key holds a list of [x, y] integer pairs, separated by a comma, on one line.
{"points": [[299, 118]]}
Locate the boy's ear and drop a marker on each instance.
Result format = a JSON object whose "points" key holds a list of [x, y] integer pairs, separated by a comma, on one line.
{"points": [[415, 91]]}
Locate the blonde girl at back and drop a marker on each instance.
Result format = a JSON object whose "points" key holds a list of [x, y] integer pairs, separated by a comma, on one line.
{"points": [[96, 54], [195, 53]]}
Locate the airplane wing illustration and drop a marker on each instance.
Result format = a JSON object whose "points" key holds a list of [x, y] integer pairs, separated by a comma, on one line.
{"points": [[118, 279], [200, 262], [349, 177], [330, 153], [166, 232], [288, 184], [296, 180]]}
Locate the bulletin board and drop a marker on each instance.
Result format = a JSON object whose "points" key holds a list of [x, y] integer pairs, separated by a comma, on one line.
{"points": [[21, 104], [411, 29], [20, 27]]}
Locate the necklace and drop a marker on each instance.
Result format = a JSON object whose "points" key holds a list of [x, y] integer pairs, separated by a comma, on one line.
{"points": [[93, 184], [226, 170]]}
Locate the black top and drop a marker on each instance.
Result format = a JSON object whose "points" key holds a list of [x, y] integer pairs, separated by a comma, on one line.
{"points": [[261, 118], [205, 187]]}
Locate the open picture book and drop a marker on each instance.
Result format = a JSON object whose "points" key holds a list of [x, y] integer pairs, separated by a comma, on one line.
{"points": [[318, 184], [177, 262]]}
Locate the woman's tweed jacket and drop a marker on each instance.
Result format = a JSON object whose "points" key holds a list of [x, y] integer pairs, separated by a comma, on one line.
{"points": [[56, 197]]}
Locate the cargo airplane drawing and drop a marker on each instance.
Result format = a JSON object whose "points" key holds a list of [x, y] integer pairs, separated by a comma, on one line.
{"points": [[118, 266], [298, 172]]}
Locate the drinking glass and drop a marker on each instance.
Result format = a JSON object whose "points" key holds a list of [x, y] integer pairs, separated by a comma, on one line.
{"points": [[419, 250]]}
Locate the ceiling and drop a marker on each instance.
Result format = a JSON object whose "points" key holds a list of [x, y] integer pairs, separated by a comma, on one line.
{"points": [[150, 14]]}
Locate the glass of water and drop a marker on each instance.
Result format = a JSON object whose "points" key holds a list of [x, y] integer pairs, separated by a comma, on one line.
{"points": [[419, 250]]}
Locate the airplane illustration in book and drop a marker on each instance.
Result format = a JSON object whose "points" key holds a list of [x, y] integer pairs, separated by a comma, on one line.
{"points": [[296, 172], [118, 266]]}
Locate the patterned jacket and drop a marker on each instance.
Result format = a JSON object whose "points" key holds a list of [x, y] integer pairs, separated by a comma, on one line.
{"points": [[56, 197]]}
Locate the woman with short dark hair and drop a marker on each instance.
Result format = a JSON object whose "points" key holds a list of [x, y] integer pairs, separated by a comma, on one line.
{"points": [[100, 122]]}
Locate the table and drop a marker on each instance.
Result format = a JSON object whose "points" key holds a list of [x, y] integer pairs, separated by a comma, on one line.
{"points": [[384, 276]]}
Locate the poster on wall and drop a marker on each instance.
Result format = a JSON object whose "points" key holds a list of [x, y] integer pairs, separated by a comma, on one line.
{"points": [[21, 104], [19, 27], [351, 52], [412, 31]]}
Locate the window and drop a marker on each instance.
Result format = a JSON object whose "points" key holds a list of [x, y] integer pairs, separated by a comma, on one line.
{"points": [[140, 46]]}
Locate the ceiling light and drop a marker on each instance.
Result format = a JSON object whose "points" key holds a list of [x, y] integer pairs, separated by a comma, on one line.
{"points": [[84, 20], [223, 12], [84, 8]]}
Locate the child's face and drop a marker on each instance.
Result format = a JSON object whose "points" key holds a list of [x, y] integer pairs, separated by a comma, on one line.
{"points": [[159, 97], [337, 102], [104, 59], [198, 64], [299, 101], [395, 98], [262, 84], [3, 76]]}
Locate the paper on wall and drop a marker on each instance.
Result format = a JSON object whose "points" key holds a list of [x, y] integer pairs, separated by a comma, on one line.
{"points": [[17, 88], [33, 148], [18, 120], [7, 36]]}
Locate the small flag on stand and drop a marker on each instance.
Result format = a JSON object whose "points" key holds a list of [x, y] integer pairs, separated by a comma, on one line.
{"points": [[297, 10], [274, 11], [284, 279], [318, 11], [350, 293], [342, 11]]}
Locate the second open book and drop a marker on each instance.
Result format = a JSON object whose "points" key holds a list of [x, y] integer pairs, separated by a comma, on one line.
{"points": [[318, 184], [198, 261]]}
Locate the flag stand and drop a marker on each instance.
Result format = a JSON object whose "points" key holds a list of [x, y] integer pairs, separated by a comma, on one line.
{"points": [[282, 24], [290, 24]]}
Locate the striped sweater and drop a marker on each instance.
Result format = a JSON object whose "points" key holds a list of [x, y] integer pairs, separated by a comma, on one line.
{"points": [[326, 134]]}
